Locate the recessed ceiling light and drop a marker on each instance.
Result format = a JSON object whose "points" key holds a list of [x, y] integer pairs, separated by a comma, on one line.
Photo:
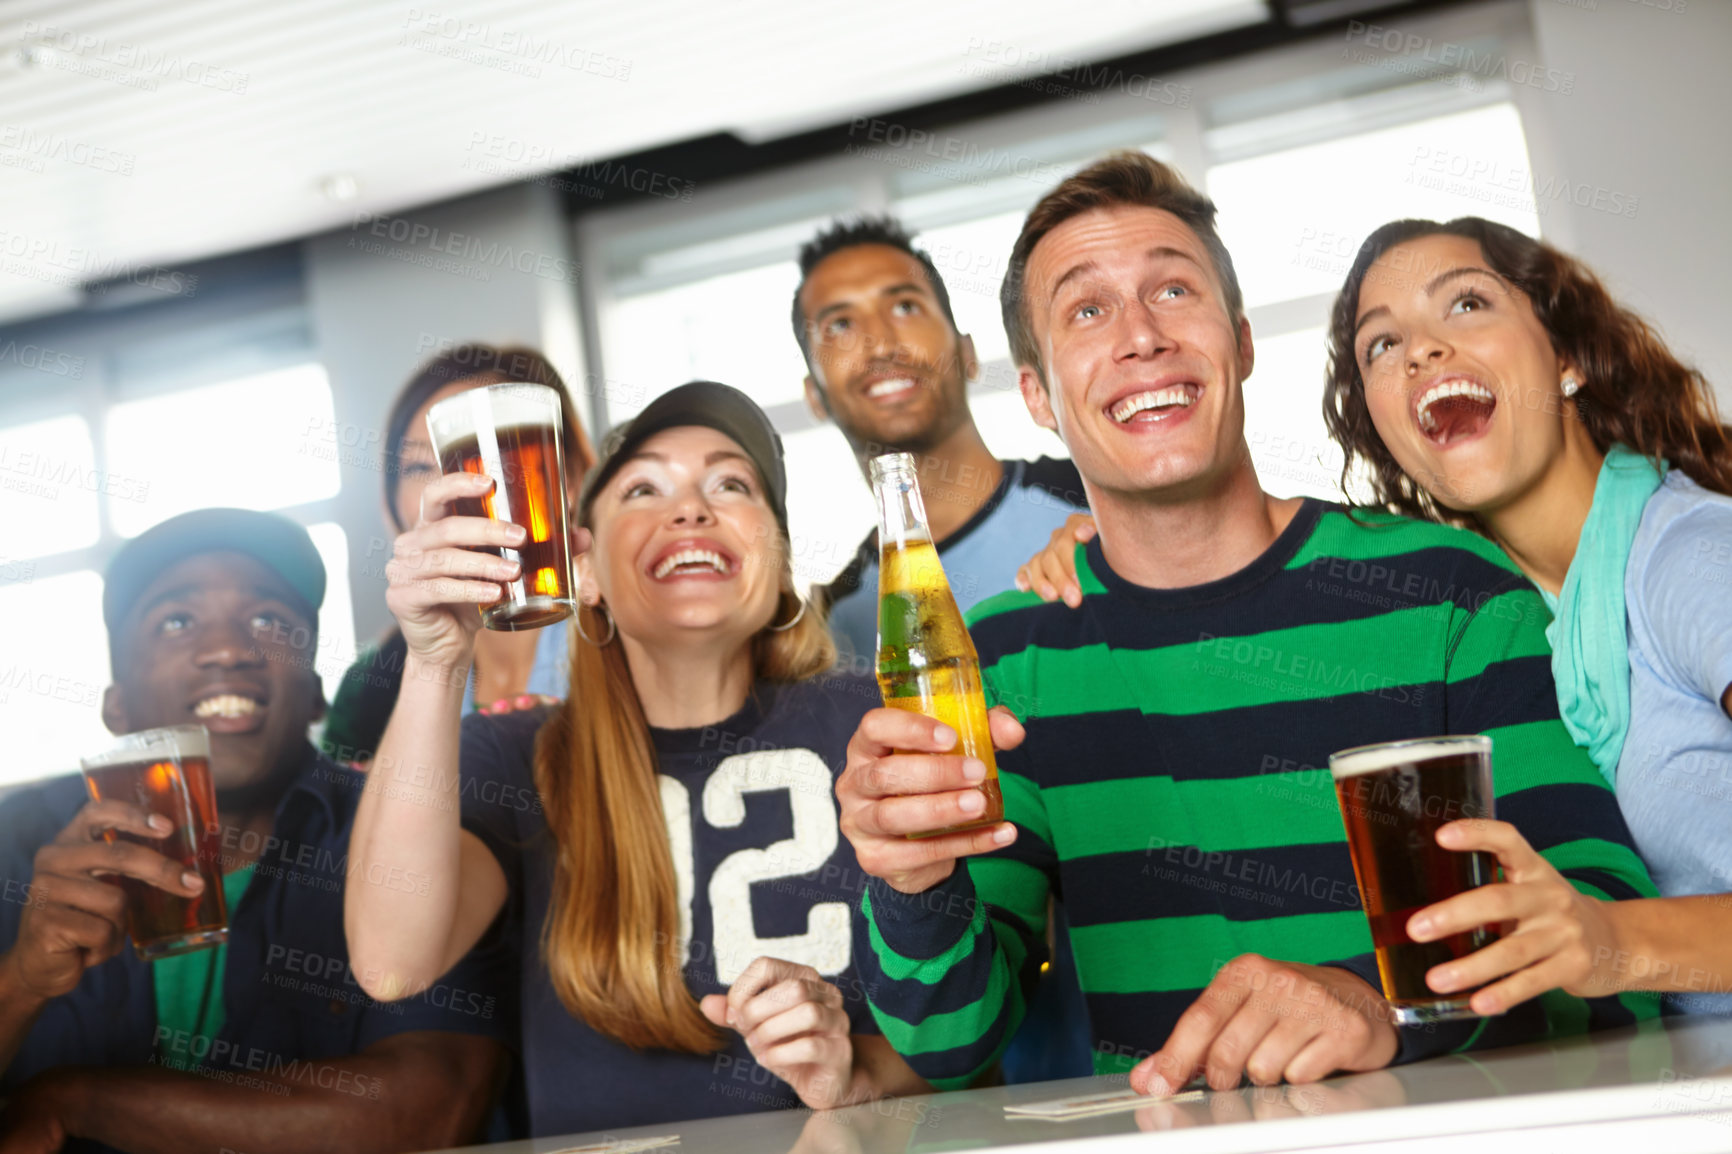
{"points": [[340, 186]]}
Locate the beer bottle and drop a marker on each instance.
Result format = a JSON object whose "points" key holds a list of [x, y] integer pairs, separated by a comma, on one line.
{"points": [[926, 660]]}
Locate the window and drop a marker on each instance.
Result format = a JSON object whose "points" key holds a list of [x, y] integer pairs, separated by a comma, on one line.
{"points": [[972, 258], [731, 328], [1304, 150], [1284, 418], [251, 443], [1294, 219], [337, 615], [829, 505], [52, 674], [71, 488], [49, 487]]}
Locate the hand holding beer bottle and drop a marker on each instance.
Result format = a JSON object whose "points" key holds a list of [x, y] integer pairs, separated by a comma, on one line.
{"points": [[929, 674], [906, 776], [926, 659]]}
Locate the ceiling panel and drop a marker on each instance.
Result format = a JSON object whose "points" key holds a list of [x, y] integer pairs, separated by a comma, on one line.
{"points": [[139, 133]]}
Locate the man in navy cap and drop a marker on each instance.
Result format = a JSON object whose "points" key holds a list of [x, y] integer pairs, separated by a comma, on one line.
{"points": [[267, 1042]]}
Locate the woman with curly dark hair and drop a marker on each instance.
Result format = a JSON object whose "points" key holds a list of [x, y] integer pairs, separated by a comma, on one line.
{"points": [[1482, 378]]}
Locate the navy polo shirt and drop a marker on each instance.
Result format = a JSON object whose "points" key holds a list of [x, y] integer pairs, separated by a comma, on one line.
{"points": [[289, 994]]}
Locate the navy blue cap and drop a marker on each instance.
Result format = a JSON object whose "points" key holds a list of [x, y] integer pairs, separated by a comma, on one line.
{"points": [[716, 406], [275, 540]]}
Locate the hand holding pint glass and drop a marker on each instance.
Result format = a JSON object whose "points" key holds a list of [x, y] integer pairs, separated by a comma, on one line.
{"points": [[1394, 798], [510, 433], [166, 772]]}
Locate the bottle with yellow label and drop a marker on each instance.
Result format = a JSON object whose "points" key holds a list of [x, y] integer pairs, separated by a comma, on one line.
{"points": [[926, 660]]}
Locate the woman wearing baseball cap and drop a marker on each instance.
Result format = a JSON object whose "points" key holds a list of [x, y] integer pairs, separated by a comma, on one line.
{"points": [[664, 846]]}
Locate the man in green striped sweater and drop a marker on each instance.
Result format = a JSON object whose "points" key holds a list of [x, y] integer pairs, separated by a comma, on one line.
{"points": [[1165, 770]]}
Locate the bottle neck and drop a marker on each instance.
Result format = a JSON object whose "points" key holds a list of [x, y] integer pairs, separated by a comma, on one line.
{"points": [[901, 513]]}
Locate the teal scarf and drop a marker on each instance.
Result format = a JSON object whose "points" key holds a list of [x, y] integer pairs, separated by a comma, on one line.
{"points": [[1590, 649]]}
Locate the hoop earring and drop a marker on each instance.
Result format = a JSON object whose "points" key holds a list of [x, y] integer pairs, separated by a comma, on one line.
{"points": [[598, 607], [790, 624]]}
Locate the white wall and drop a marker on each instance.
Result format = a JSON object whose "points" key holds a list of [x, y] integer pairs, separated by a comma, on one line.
{"points": [[387, 293], [1648, 118]]}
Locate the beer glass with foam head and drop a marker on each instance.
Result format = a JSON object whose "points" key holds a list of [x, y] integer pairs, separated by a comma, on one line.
{"points": [[511, 433], [167, 771], [1394, 797]]}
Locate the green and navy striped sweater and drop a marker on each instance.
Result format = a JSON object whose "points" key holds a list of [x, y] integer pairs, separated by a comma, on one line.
{"points": [[1174, 787]]}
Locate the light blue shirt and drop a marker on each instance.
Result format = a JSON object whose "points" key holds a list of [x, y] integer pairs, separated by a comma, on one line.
{"points": [[551, 673], [1675, 775], [980, 559]]}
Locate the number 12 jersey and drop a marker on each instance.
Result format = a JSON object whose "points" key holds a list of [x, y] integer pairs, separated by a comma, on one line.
{"points": [[761, 869]]}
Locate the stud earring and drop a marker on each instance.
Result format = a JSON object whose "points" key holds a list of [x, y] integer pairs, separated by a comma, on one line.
{"points": [[1570, 386]]}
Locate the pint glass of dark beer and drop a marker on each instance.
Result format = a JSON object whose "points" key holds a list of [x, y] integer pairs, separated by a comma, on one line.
{"points": [[511, 433], [167, 771], [1394, 798]]}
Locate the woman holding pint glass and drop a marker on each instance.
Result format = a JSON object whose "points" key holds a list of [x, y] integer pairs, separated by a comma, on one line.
{"points": [[511, 669], [663, 848], [1484, 379]]}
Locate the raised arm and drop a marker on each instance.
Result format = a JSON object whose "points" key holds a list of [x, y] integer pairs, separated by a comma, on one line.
{"points": [[409, 815], [412, 1091]]}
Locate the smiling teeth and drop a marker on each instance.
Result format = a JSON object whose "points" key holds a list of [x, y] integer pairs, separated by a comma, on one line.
{"points": [[226, 705], [1158, 399], [691, 557], [884, 388], [1444, 391]]}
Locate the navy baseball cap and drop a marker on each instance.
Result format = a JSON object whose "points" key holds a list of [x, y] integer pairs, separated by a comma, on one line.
{"points": [[273, 539], [716, 406]]}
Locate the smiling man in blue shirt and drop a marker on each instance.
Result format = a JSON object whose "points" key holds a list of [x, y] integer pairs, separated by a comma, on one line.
{"points": [[266, 1043]]}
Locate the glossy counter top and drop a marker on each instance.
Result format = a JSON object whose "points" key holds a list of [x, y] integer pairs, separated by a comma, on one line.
{"points": [[1666, 1085]]}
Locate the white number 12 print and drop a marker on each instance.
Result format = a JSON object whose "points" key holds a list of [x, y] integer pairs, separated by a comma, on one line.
{"points": [[826, 943]]}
